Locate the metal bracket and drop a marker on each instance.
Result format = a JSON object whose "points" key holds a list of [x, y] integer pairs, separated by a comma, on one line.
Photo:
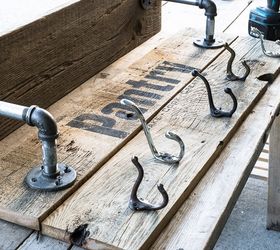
{"points": [[137, 204], [258, 34], [213, 110], [37, 179], [51, 175], [146, 4]]}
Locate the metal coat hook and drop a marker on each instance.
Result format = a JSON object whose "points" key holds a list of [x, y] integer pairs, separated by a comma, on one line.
{"points": [[258, 34], [230, 75], [137, 204], [213, 110], [164, 157]]}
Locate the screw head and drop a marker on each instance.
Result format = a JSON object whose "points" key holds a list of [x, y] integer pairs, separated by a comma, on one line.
{"points": [[58, 181], [146, 4], [67, 169]]}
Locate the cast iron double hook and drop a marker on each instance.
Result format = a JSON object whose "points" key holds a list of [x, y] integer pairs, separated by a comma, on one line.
{"points": [[230, 75], [213, 110], [140, 204], [164, 157], [256, 32]]}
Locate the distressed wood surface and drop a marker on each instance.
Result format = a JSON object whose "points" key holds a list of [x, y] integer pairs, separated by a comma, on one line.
{"points": [[273, 201], [11, 235], [35, 242], [46, 59], [102, 202], [92, 114], [200, 220], [170, 12]]}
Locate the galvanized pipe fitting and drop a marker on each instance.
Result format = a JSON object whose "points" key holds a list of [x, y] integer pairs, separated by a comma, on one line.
{"points": [[210, 12], [50, 176]]}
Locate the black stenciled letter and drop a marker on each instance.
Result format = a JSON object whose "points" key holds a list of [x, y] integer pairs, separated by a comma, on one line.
{"points": [[106, 127], [145, 84], [109, 109]]}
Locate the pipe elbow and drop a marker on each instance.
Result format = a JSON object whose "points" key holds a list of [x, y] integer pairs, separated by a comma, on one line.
{"points": [[44, 121], [209, 6]]}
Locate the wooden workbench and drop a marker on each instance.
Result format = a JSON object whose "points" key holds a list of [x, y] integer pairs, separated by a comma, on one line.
{"points": [[219, 181]]}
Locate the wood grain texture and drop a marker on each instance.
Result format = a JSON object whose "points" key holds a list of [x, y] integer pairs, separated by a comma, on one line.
{"points": [[200, 220], [102, 202], [43, 61], [273, 201], [172, 13], [43, 243], [11, 235], [77, 145]]}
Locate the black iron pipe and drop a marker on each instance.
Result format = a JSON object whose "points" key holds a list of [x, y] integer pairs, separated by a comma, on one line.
{"points": [[47, 130], [208, 5]]}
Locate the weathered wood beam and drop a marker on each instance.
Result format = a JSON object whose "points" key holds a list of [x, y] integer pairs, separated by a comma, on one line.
{"points": [[273, 201], [46, 59]]}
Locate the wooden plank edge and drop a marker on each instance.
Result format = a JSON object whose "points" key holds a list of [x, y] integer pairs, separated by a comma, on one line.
{"points": [[28, 221], [259, 174], [218, 227], [195, 181], [232, 201]]}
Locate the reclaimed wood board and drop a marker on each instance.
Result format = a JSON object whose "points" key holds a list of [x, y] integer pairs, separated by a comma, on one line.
{"points": [[102, 202], [198, 223], [44, 60], [11, 235], [273, 201], [91, 115], [14, 235], [35, 242]]}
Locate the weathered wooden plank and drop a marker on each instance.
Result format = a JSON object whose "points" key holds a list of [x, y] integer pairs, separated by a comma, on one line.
{"points": [[262, 165], [200, 220], [263, 156], [273, 201], [89, 115], [167, 14], [11, 235], [102, 202], [259, 174], [42, 243], [43, 61]]}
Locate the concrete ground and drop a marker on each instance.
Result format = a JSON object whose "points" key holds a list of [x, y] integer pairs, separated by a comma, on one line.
{"points": [[246, 227]]}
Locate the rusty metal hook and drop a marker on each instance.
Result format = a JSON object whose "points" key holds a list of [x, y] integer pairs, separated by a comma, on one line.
{"points": [[213, 110], [258, 34], [140, 204], [164, 157], [230, 75]]}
